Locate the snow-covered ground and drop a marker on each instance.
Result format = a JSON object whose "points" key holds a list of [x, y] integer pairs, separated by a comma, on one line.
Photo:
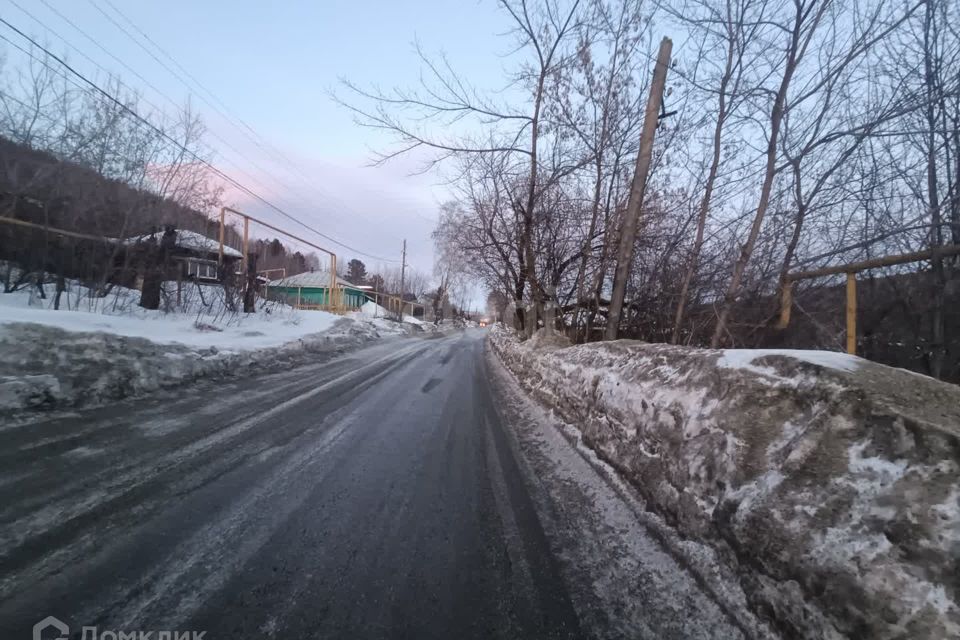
{"points": [[95, 349], [828, 482], [743, 358], [616, 556], [272, 327], [373, 311]]}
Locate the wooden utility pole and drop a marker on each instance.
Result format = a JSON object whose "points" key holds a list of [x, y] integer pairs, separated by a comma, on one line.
{"points": [[628, 233], [403, 271]]}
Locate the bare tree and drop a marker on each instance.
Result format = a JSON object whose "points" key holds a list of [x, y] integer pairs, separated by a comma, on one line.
{"points": [[98, 170], [546, 32], [803, 23], [734, 26]]}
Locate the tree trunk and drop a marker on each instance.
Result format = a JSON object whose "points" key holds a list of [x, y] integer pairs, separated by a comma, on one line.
{"points": [[250, 291], [597, 193], [61, 287], [152, 280], [705, 201], [776, 119], [797, 225], [937, 343], [519, 317], [582, 268]]}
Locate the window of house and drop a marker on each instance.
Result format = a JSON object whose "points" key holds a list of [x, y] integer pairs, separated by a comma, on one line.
{"points": [[202, 269]]}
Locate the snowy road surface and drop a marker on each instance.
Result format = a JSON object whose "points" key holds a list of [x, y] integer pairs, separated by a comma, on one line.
{"points": [[379, 495]]}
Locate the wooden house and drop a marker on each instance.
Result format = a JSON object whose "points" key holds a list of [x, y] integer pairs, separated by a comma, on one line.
{"points": [[312, 289]]}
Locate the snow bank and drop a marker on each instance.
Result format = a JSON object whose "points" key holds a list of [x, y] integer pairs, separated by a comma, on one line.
{"points": [[372, 311], [237, 333], [744, 358], [829, 483], [105, 351]]}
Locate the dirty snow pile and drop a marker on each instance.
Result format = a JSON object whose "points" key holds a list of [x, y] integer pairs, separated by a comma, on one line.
{"points": [[103, 349], [830, 484]]}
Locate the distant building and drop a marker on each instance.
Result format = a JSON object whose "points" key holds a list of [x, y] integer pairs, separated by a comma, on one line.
{"points": [[312, 288]]}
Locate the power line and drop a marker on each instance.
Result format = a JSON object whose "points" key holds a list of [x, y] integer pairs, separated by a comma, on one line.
{"points": [[110, 74], [149, 84], [230, 117], [176, 143], [144, 80], [121, 83], [152, 86], [95, 43], [195, 81]]}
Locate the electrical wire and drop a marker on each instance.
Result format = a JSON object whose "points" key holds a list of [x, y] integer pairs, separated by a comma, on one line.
{"points": [[95, 87], [246, 130], [213, 133]]}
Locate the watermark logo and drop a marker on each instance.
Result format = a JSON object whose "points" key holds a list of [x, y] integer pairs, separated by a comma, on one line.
{"points": [[58, 630], [50, 628]]}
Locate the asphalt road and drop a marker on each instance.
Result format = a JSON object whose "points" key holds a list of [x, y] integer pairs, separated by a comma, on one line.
{"points": [[372, 496]]}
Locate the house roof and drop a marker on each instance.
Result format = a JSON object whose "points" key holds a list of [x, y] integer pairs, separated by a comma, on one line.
{"points": [[317, 279], [190, 240]]}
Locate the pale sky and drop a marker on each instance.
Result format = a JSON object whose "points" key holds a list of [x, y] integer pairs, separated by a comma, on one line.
{"points": [[272, 64]]}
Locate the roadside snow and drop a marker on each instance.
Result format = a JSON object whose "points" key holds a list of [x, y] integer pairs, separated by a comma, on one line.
{"points": [[372, 311], [252, 331], [832, 488], [616, 555], [96, 349]]}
